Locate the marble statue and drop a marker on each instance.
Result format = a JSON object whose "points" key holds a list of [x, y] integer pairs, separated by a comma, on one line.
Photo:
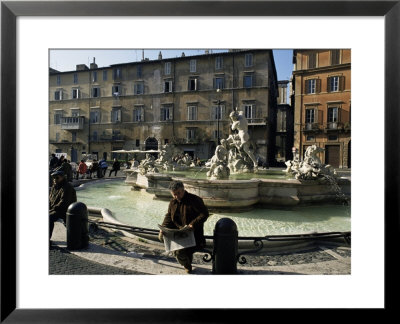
{"points": [[311, 167], [219, 163]]}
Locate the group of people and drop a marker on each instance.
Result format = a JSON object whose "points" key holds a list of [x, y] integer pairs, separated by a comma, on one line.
{"points": [[98, 168]]}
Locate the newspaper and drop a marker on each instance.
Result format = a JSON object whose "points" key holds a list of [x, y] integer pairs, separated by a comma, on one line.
{"points": [[177, 239]]}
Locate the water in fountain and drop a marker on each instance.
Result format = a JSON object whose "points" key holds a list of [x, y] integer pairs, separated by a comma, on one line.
{"points": [[138, 208]]}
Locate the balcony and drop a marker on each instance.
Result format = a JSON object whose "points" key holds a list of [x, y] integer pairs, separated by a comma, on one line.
{"points": [[107, 138], [72, 123], [311, 128], [256, 121]]}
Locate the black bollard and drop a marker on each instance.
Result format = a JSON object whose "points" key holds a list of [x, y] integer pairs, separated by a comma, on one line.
{"points": [[225, 247], [77, 226]]}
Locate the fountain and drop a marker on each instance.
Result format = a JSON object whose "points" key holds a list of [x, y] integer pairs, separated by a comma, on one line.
{"points": [[310, 181]]}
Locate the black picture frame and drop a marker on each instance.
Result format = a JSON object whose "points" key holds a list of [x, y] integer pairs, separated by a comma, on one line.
{"points": [[10, 10]]}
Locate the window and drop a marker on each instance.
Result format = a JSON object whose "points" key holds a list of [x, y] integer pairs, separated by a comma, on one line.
{"points": [[312, 60], [94, 136], [75, 93], [217, 112], [139, 71], [335, 57], [117, 74], [116, 90], [310, 138], [311, 86], [248, 60], [332, 137], [73, 137], [190, 133], [247, 81], [166, 113], [249, 111], [333, 84], [218, 83], [166, 141], [95, 117], [310, 117], [192, 66], [95, 92], [116, 115], [75, 78], [94, 76], [192, 84], [58, 95], [138, 88], [192, 113], [219, 62], [137, 143], [167, 68], [333, 114], [138, 114], [105, 75], [57, 137], [168, 86], [57, 117], [75, 112], [58, 79]]}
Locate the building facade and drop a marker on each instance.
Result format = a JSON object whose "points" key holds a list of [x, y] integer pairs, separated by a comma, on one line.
{"points": [[322, 100], [284, 125], [143, 105]]}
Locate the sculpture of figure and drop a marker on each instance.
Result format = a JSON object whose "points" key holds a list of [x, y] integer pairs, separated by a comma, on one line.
{"points": [[311, 167], [218, 163], [147, 165], [239, 123]]}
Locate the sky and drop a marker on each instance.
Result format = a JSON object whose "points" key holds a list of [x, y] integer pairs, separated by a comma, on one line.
{"points": [[66, 60]]}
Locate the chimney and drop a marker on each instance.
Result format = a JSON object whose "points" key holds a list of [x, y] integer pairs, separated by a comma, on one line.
{"points": [[160, 56], [93, 65], [81, 67], [183, 54]]}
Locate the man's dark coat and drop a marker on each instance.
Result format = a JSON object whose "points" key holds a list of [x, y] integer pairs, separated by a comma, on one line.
{"points": [[191, 210], [61, 196]]}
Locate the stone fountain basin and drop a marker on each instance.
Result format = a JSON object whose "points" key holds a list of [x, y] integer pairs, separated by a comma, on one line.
{"points": [[234, 194]]}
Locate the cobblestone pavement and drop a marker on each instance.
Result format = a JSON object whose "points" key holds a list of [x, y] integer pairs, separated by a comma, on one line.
{"points": [[110, 252]]}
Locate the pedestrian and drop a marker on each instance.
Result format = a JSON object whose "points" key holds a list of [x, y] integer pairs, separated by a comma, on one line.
{"points": [[60, 160], [67, 169], [53, 162], [62, 194], [103, 167], [115, 167], [82, 168], [186, 209], [93, 168]]}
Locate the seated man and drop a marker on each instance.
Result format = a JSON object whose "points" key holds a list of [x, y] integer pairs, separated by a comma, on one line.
{"points": [[62, 194], [186, 209]]}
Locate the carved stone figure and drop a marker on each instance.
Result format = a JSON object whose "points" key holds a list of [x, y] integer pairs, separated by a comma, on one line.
{"points": [[219, 163]]}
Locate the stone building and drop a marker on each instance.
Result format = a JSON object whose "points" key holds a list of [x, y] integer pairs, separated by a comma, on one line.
{"points": [[284, 125], [143, 105], [322, 99]]}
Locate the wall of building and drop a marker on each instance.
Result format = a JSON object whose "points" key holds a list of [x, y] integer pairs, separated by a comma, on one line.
{"points": [[126, 132]]}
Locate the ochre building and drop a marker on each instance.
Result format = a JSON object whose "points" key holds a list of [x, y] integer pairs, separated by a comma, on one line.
{"points": [[322, 100], [143, 105]]}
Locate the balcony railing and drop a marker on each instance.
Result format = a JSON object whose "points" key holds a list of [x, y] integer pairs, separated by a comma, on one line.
{"points": [[107, 138], [311, 127], [72, 123], [256, 121]]}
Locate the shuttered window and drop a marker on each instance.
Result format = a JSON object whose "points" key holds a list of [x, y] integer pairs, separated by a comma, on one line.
{"points": [[168, 86], [58, 95], [167, 68], [117, 74], [75, 93], [312, 60], [138, 114], [95, 92], [248, 81], [192, 84], [192, 66], [218, 83], [138, 88], [58, 79], [105, 75], [335, 83], [219, 62], [75, 78], [94, 76], [335, 57], [116, 90], [192, 113], [116, 115], [248, 60]]}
